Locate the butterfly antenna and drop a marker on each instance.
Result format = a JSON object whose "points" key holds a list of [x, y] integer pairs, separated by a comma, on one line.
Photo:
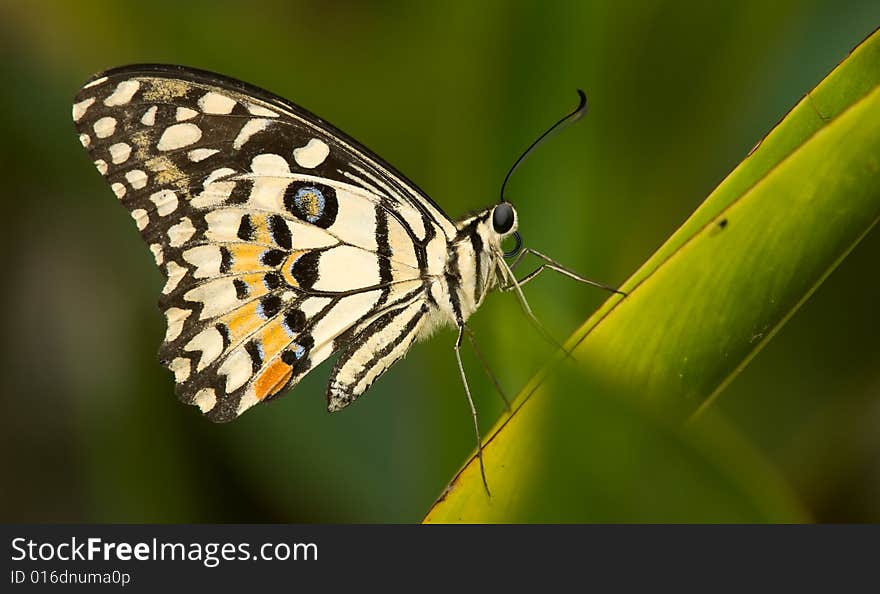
{"points": [[570, 118]]}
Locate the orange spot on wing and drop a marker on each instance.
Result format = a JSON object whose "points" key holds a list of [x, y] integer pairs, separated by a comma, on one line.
{"points": [[261, 227], [243, 321], [246, 257], [274, 338], [285, 269], [275, 376]]}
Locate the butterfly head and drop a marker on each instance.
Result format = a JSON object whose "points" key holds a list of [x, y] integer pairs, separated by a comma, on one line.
{"points": [[503, 225]]}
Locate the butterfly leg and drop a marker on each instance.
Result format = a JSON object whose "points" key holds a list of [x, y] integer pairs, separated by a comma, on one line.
{"points": [[519, 258], [467, 391], [485, 364], [514, 285], [550, 264]]}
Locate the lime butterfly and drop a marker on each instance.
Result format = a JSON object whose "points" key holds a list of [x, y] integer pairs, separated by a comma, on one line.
{"points": [[283, 240]]}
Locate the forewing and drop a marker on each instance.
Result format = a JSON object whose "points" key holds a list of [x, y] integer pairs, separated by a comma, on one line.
{"points": [[276, 232]]}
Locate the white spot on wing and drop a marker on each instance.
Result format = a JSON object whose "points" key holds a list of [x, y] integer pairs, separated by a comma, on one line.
{"points": [[340, 317], [178, 136], [223, 224], [248, 130], [352, 207], [118, 189], [210, 342], [213, 194], [95, 82], [237, 368], [181, 232], [85, 140], [157, 253], [309, 236], [175, 273], [402, 248], [149, 117], [165, 201], [185, 113], [414, 220], [218, 173], [217, 297], [123, 93], [105, 127], [200, 154], [79, 109], [101, 166], [141, 218], [313, 305], [269, 164], [136, 178], [216, 103], [248, 399], [346, 267], [205, 399], [437, 252], [206, 259], [181, 368], [312, 154], [120, 152], [271, 180], [175, 317], [258, 110]]}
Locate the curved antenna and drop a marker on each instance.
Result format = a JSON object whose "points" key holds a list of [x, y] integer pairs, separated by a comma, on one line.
{"points": [[572, 117]]}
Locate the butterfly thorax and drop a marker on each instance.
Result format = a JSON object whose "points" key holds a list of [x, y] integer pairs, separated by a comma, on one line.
{"points": [[472, 267]]}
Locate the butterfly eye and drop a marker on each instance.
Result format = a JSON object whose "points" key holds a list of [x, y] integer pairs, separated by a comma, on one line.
{"points": [[502, 218]]}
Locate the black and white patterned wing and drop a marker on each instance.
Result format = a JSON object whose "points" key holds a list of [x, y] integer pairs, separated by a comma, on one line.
{"points": [[281, 238]]}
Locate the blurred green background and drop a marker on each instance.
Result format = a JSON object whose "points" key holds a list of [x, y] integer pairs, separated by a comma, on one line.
{"points": [[449, 93]]}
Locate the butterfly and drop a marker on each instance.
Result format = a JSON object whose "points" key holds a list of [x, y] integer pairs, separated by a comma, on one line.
{"points": [[283, 240]]}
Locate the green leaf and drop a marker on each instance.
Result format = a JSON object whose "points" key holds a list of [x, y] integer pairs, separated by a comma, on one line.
{"points": [[697, 312]]}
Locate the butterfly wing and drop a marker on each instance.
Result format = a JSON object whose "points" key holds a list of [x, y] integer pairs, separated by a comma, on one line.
{"points": [[375, 346], [281, 238]]}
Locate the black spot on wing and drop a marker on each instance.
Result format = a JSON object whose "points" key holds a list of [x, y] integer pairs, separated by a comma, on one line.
{"points": [[297, 356], [241, 192], [223, 329], [295, 321], [312, 202], [280, 231], [306, 341], [225, 259], [272, 257], [246, 228], [270, 305], [255, 351], [305, 269], [241, 288], [289, 357], [272, 280]]}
